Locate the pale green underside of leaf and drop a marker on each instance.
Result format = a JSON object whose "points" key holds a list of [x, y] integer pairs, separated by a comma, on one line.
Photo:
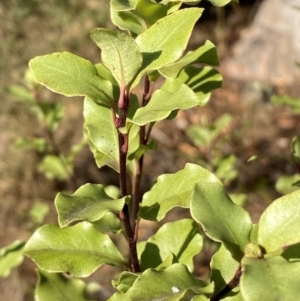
{"points": [[173, 284], [89, 203], [71, 75], [279, 225], [57, 287], [270, 279], [157, 43], [119, 54], [174, 190], [101, 132], [162, 103], [223, 268], [222, 220], [66, 250], [11, 256], [206, 54], [166, 241]]}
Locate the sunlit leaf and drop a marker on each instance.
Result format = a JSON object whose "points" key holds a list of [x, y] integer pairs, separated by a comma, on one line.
{"points": [[119, 53], [205, 54], [89, 203], [279, 225], [71, 75], [269, 279], [222, 2], [166, 241], [175, 283], [66, 250], [174, 190], [157, 43], [102, 133], [222, 220]]}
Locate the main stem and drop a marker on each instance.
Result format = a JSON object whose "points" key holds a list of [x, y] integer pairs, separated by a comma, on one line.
{"points": [[120, 122], [139, 164]]}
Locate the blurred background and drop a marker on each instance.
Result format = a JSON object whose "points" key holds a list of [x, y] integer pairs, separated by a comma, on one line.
{"points": [[255, 113]]}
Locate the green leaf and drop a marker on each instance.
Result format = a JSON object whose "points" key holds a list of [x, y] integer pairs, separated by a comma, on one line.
{"points": [[54, 167], [101, 133], [293, 103], [125, 281], [206, 54], [38, 144], [150, 11], [222, 220], [173, 284], [162, 103], [21, 94], [201, 80], [157, 43], [269, 279], [166, 241], [173, 190], [288, 183], [71, 75], [38, 213], [295, 146], [66, 250], [10, 257], [108, 223], [127, 20], [223, 268], [56, 287], [121, 5], [88, 203], [234, 295], [279, 225], [119, 54], [222, 2]]}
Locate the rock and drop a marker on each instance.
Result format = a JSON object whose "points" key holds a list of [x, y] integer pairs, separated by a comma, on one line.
{"points": [[269, 48]]}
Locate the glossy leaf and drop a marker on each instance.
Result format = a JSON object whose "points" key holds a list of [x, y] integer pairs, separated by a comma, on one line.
{"points": [[10, 257], [71, 75], [59, 288], [157, 43], [119, 54], [89, 203], [206, 54], [101, 132], [173, 284], [174, 190], [279, 225], [162, 103], [166, 241], [223, 268], [269, 279], [222, 220], [66, 250]]}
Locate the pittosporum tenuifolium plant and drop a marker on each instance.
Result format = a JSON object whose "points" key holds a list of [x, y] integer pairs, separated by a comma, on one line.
{"points": [[253, 262]]}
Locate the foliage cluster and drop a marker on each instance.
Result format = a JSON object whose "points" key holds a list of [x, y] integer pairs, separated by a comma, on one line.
{"points": [[253, 261]]}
